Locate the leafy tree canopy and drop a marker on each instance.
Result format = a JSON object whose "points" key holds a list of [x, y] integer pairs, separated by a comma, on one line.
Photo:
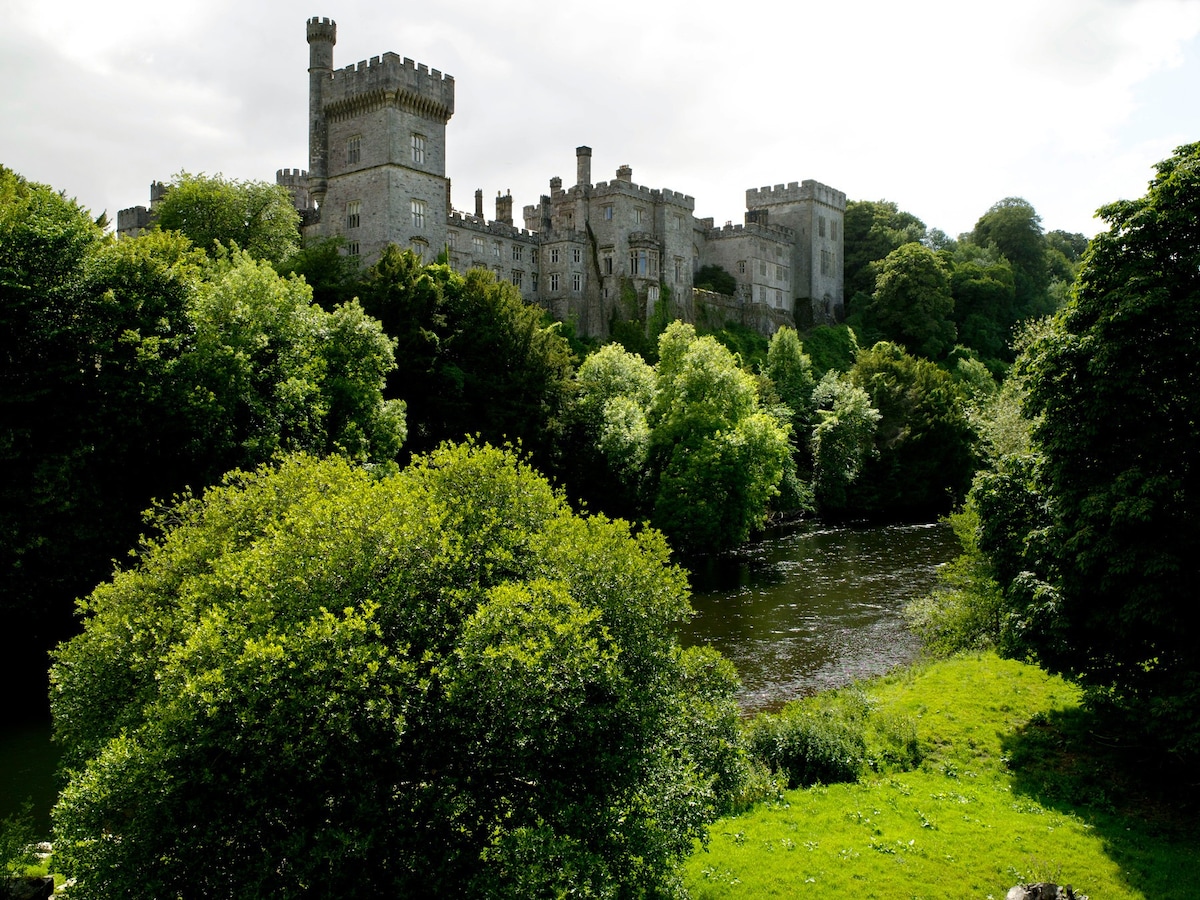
{"points": [[924, 442], [715, 278], [913, 304], [1114, 384], [872, 230], [257, 216], [134, 369], [441, 682], [473, 357]]}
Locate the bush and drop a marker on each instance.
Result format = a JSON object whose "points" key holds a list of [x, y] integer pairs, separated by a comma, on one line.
{"points": [[323, 682], [830, 738]]}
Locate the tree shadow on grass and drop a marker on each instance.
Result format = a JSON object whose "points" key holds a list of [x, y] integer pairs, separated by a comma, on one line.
{"points": [[1145, 808]]}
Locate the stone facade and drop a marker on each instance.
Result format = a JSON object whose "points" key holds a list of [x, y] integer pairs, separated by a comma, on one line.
{"points": [[589, 253]]}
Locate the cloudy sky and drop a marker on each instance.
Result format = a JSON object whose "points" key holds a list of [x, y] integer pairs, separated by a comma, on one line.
{"points": [[943, 107]]}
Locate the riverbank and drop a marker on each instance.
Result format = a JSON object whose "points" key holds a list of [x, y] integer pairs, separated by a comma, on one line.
{"points": [[1013, 788]]}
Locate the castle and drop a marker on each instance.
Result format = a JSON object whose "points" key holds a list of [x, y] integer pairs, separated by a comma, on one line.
{"points": [[588, 253]]}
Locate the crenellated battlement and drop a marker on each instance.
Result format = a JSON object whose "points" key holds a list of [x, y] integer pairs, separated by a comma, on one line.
{"points": [[780, 233], [459, 219], [629, 189], [291, 176], [322, 29], [389, 80], [794, 192]]}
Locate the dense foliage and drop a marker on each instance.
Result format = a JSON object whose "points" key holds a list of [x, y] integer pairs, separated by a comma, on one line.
{"points": [[1114, 387], [256, 216], [472, 356], [1084, 553], [135, 369], [684, 442], [321, 683]]}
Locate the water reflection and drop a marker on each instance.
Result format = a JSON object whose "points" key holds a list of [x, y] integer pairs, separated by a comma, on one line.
{"points": [[814, 607]]}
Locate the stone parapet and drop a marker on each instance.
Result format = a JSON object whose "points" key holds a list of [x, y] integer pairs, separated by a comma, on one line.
{"points": [[794, 192], [389, 80]]}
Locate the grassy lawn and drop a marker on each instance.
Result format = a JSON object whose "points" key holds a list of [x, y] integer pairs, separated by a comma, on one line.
{"points": [[1014, 787]]}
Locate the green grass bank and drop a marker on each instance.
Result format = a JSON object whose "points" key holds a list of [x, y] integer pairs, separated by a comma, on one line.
{"points": [[1015, 786]]}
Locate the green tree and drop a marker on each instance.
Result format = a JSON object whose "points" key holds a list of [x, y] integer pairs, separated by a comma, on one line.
{"points": [[984, 301], [1015, 229], [442, 682], [913, 304], [842, 441], [715, 278], [717, 456], [1114, 384], [332, 273], [924, 442], [873, 229], [138, 368], [473, 357], [257, 216], [271, 371]]}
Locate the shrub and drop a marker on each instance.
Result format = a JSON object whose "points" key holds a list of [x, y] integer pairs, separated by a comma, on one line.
{"points": [[832, 737]]}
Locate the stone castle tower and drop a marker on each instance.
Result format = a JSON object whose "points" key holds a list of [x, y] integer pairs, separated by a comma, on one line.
{"points": [[377, 149]]}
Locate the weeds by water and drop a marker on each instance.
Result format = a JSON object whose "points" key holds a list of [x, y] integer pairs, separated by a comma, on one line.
{"points": [[1013, 785]]}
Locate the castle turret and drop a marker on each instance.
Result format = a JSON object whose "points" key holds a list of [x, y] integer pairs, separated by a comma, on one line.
{"points": [[504, 208], [322, 35], [583, 166]]}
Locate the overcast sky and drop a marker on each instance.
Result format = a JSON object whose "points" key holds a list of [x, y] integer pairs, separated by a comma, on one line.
{"points": [[943, 107]]}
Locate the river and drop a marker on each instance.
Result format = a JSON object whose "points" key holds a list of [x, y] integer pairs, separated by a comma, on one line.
{"points": [[812, 607]]}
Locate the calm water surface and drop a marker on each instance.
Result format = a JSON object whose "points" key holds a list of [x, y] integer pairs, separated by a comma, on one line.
{"points": [[813, 607]]}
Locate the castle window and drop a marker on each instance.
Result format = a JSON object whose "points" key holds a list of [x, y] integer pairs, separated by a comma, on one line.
{"points": [[452, 240], [779, 273], [576, 282], [518, 252], [608, 213], [353, 213], [554, 255], [741, 267], [833, 229], [779, 299], [517, 277], [418, 213], [418, 148], [477, 245], [826, 262], [678, 269], [821, 226], [352, 248], [533, 256], [496, 250], [676, 223], [652, 294], [638, 215], [354, 150], [606, 261], [576, 255], [638, 263], [762, 268], [420, 248], [553, 281], [533, 281]]}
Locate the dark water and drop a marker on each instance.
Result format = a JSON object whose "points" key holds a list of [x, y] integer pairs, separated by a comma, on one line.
{"points": [[814, 607]]}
